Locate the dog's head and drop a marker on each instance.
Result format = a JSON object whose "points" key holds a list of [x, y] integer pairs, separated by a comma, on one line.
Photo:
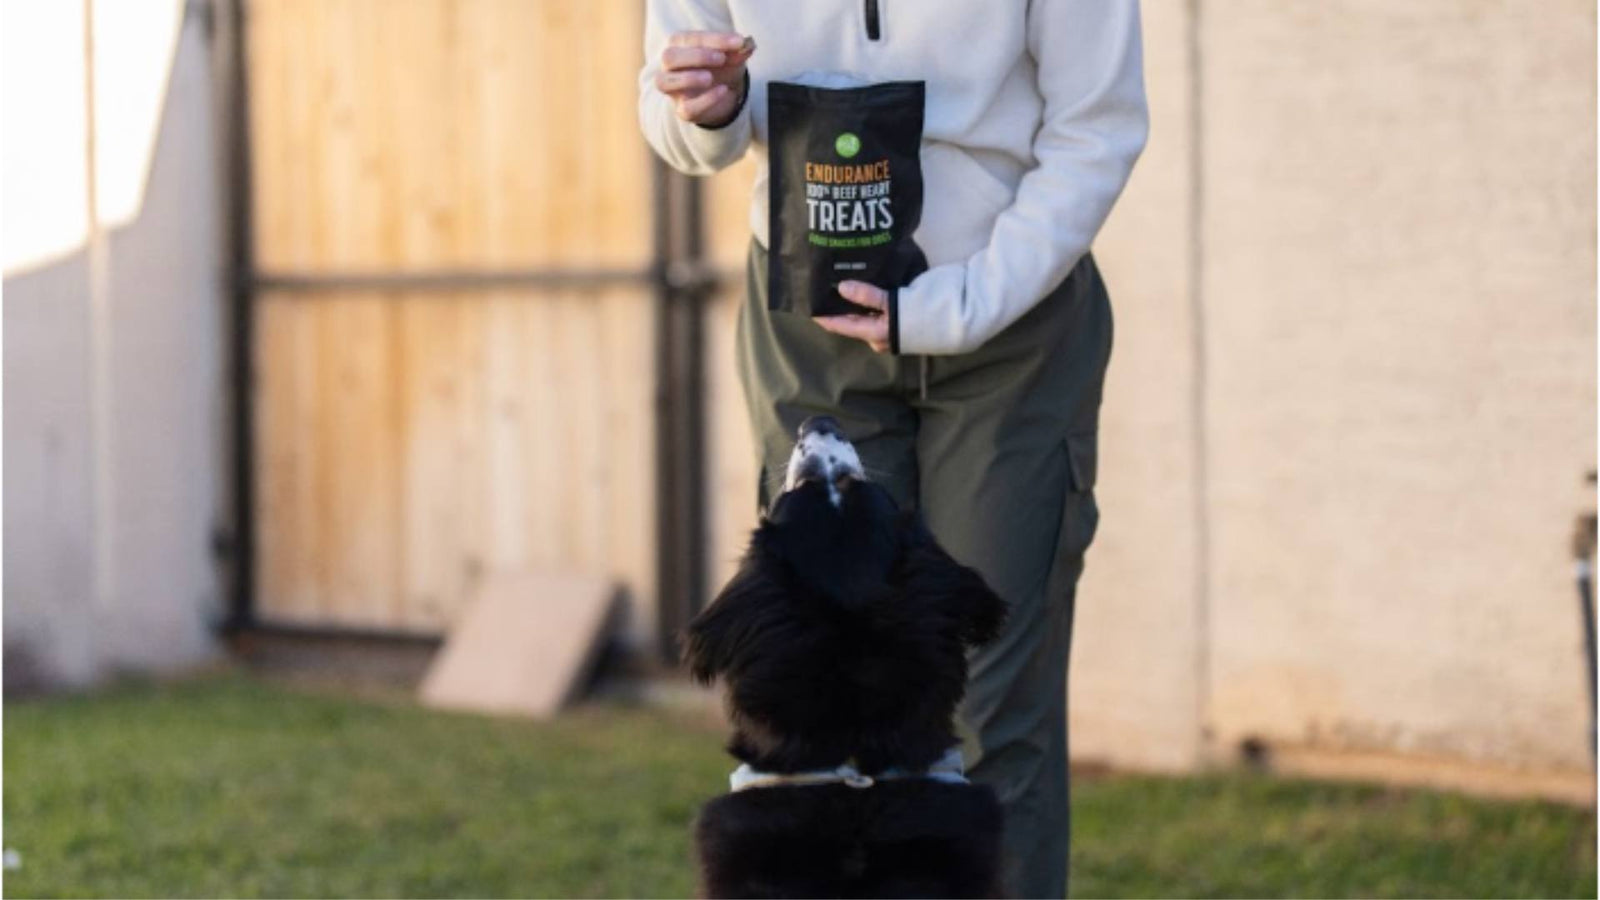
{"points": [[846, 628], [834, 532]]}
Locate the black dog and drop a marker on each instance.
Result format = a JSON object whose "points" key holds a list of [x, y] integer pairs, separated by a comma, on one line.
{"points": [[842, 645]]}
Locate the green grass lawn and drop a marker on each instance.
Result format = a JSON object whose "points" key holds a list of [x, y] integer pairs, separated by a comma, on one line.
{"points": [[231, 787]]}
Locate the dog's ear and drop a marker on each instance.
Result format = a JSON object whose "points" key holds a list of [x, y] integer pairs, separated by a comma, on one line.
{"points": [[934, 577], [720, 635]]}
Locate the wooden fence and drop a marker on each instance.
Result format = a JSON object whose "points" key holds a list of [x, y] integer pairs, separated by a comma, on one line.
{"points": [[410, 438]]}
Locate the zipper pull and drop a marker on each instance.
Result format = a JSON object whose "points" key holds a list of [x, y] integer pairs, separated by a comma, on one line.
{"points": [[873, 25]]}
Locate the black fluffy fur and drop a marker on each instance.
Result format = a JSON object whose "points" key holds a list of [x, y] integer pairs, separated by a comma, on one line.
{"points": [[843, 638]]}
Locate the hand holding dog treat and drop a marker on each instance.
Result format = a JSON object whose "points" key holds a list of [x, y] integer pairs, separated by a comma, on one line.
{"points": [[703, 72]]}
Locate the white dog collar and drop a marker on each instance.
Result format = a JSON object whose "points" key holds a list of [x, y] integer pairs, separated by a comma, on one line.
{"points": [[949, 768]]}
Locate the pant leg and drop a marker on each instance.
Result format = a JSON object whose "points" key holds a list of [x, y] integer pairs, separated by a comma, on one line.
{"points": [[791, 369], [1006, 449]]}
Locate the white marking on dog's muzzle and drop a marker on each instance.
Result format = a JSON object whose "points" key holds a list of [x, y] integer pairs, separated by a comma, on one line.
{"points": [[823, 456]]}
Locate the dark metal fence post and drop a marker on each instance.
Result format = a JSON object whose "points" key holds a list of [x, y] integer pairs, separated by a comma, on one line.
{"points": [[682, 287], [236, 540]]}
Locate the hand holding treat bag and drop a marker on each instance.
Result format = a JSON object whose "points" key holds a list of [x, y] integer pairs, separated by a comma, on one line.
{"points": [[845, 192]]}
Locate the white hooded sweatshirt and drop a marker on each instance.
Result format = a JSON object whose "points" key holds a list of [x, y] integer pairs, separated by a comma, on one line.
{"points": [[1035, 116]]}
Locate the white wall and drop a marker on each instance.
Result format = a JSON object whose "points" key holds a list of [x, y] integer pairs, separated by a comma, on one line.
{"points": [[114, 451]]}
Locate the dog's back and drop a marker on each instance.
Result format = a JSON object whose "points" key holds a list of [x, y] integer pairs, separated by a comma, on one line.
{"points": [[842, 646], [903, 838]]}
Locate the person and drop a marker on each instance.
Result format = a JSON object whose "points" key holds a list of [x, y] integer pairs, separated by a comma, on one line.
{"points": [[973, 391]]}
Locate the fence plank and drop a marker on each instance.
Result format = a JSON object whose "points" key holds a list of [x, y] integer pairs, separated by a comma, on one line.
{"points": [[442, 401]]}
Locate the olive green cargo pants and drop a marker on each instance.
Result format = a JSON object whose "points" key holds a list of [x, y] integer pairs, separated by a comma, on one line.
{"points": [[999, 455]]}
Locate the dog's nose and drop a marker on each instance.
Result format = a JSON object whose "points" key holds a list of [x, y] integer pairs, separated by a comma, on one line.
{"points": [[820, 425]]}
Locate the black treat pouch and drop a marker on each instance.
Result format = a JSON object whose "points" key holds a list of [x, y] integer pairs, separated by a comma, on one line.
{"points": [[845, 175]]}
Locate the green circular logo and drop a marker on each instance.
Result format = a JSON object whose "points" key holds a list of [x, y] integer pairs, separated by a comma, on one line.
{"points": [[847, 145]]}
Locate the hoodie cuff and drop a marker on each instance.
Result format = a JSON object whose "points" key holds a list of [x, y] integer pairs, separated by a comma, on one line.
{"points": [[894, 321], [744, 100]]}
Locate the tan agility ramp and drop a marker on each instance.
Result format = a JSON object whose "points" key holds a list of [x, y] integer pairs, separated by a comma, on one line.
{"points": [[524, 645]]}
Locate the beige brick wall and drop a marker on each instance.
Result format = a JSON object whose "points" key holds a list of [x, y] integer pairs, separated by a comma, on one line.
{"points": [[1136, 641], [1395, 297]]}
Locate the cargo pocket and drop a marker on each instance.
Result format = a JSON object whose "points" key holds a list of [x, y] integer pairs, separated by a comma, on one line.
{"points": [[1081, 518]]}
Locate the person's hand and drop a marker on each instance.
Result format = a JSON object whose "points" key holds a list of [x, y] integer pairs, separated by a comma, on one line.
{"points": [[870, 327], [703, 73]]}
